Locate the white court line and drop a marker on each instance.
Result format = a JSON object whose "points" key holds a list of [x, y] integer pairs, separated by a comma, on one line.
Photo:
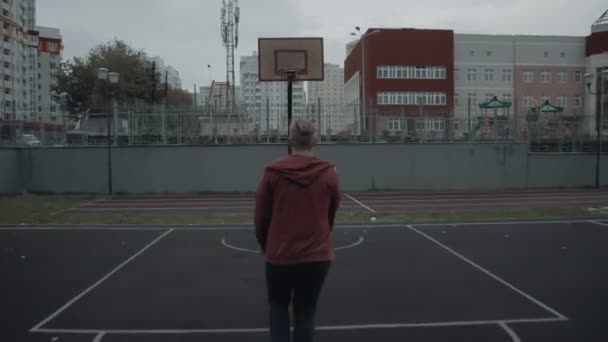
{"points": [[99, 336], [227, 245], [510, 331], [97, 283], [490, 274], [319, 328], [359, 203], [600, 223], [250, 227]]}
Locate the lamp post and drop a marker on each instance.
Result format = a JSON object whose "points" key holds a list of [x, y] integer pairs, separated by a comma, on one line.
{"points": [[599, 118], [109, 78], [362, 36]]}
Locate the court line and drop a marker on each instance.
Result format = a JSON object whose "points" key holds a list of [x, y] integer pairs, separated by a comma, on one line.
{"points": [[99, 336], [488, 273], [250, 227], [319, 328], [600, 223], [227, 245], [97, 283], [510, 331], [359, 202]]}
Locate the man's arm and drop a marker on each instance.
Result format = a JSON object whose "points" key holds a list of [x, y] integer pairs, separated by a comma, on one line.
{"points": [[263, 210], [334, 204]]}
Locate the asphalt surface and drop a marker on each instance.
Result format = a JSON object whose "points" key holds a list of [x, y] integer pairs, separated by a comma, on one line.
{"points": [[358, 202], [463, 282]]}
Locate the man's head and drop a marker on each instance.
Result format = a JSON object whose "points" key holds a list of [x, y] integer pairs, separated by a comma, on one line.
{"points": [[302, 135]]}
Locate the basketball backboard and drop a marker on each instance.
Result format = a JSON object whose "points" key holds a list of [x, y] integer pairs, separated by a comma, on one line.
{"points": [[301, 58]]}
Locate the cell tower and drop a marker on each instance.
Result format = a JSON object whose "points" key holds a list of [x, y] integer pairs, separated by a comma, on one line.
{"points": [[231, 15]]}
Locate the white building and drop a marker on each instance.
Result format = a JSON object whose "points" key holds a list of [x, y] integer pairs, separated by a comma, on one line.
{"points": [[329, 95], [19, 52], [255, 96], [49, 64], [165, 71]]}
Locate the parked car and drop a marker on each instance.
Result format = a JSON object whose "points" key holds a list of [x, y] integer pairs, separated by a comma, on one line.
{"points": [[28, 140]]}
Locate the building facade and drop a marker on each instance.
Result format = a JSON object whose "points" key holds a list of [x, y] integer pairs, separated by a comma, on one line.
{"points": [[333, 117], [19, 47], [265, 103], [394, 75], [49, 64], [401, 82]]}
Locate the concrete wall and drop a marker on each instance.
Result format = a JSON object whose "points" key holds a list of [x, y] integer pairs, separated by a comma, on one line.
{"points": [[9, 172], [565, 170], [238, 168]]}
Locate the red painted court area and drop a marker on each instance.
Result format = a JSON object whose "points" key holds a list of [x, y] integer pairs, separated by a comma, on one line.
{"points": [[358, 202]]}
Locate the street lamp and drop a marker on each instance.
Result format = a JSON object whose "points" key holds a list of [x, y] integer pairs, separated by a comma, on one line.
{"points": [[599, 117], [104, 75], [362, 36]]}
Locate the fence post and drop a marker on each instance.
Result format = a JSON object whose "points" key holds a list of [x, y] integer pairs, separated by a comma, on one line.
{"points": [[320, 126], [267, 120]]}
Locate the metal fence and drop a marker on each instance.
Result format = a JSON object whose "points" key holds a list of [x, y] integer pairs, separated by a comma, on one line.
{"points": [[267, 123]]}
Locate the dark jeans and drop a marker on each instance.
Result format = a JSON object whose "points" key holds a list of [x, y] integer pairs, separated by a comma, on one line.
{"points": [[298, 284]]}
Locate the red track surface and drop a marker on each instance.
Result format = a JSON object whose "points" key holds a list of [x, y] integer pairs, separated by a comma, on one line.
{"points": [[358, 202]]}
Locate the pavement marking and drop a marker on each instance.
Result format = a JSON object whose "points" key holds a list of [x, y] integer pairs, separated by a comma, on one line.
{"points": [[319, 328], [97, 283], [490, 274], [510, 331], [240, 249], [359, 202], [99, 336], [600, 223]]}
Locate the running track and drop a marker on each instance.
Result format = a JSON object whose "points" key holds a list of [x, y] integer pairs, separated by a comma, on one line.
{"points": [[357, 202]]}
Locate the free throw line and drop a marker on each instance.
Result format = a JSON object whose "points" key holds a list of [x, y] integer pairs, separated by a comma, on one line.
{"points": [[490, 274], [359, 203], [227, 245], [97, 283]]}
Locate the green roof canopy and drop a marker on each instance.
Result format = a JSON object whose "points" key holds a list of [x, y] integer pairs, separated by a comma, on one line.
{"points": [[547, 107], [495, 103]]}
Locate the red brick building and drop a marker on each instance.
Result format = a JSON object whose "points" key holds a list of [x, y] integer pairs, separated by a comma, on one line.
{"points": [[401, 79]]}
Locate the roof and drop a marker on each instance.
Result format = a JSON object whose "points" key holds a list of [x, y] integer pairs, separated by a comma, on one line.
{"points": [[601, 24], [547, 107], [495, 103]]}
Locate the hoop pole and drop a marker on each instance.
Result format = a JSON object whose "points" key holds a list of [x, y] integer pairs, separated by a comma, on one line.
{"points": [[289, 110]]}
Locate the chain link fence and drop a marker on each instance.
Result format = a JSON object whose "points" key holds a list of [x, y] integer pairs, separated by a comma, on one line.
{"points": [[267, 123]]}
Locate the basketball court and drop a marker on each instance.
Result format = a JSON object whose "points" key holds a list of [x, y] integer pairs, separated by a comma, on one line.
{"points": [[490, 281]]}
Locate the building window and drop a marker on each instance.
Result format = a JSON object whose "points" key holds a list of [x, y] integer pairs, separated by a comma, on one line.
{"points": [[578, 101], [489, 53], [562, 101], [507, 75], [472, 53], [456, 99], [528, 76], [545, 77], [528, 101], [411, 72], [507, 97], [489, 96], [562, 77], [488, 75], [7, 52], [456, 74], [394, 125], [544, 99], [546, 54], [562, 55], [472, 75], [53, 109], [411, 98], [578, 76], [7, 77]]}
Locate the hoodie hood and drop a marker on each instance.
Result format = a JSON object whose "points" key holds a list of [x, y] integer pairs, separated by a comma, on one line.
{"points": [[300, 169]]}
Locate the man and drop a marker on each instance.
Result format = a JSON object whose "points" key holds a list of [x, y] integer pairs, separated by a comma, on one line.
{"points": [[296, 205]]}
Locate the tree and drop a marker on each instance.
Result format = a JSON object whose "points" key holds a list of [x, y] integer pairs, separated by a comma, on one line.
{"points": [[179, 98], [78, 78]]}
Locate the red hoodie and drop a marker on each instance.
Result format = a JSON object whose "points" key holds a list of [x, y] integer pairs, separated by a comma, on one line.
{"points": [[296, 203]]}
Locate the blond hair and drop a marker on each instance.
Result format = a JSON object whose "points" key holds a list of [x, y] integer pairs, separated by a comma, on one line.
{"points": [[302, 134]]}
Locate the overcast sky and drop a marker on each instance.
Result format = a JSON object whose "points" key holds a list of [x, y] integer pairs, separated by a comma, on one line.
{"points": [[186, 33]]}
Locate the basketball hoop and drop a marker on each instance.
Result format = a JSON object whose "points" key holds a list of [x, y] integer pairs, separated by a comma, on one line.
{"points": [[290, 74]]}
